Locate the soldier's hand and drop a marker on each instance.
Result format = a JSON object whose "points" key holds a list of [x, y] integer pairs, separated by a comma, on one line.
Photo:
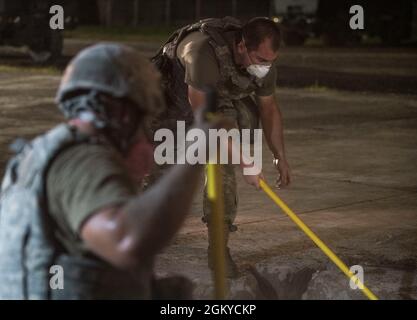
{"points": [[284, 173], [253, 180]]}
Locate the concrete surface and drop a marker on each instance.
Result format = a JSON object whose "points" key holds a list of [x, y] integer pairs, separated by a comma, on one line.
{"points": [[354, 183]]}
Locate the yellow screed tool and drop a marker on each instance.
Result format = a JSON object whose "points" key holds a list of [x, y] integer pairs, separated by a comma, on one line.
{"points": [[316, 240]]}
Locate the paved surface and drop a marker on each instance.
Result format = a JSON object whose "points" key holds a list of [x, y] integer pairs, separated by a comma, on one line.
{"points": [[354, 164]]}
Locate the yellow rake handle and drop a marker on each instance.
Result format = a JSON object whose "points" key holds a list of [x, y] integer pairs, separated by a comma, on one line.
{"points": [[215, 196], [316, 240]]}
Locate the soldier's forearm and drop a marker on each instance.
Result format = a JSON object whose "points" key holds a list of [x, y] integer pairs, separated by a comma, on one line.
{"points": [[273, 129], [155, 216], [196, 98]]}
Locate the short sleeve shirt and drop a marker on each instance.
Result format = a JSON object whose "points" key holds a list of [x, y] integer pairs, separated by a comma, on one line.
{"points": [[80, 181]]}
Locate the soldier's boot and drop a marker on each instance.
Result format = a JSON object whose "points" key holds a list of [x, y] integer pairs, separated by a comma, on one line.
{"points": [[232, 271]]}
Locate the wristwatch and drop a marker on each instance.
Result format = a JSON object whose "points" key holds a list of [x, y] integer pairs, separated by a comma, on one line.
{"points": [[275, 161]]}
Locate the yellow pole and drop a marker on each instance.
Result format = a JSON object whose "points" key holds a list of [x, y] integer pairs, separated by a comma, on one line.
{"points": [[215, 196], [316, 240]]}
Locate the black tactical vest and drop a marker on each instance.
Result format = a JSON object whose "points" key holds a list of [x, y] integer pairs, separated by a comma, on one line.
{"points": [[233, 85]]}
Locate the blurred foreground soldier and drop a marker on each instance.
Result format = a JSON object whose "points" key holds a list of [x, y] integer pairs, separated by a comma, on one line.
{"points": [[239, 61], [68, 199]]}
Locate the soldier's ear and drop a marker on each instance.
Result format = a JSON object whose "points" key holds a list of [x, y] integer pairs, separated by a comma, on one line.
{"points": [[241, 47]]}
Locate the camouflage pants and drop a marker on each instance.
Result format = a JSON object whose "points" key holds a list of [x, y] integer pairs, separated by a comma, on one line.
{"points": [[244, 114]]}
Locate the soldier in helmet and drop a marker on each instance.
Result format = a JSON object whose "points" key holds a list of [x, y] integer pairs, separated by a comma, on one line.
{"points": [[239, 61], [68, 199]]}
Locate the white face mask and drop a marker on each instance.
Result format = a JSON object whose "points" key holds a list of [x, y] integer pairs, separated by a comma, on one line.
{"points": [[258, 70]]}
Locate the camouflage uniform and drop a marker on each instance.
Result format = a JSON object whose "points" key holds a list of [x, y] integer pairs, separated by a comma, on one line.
{"points": [[235, 96], [244, 115], [28, 247]]}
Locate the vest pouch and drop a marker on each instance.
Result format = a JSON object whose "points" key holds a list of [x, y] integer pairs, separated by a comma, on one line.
{"points": [[86, 279]]}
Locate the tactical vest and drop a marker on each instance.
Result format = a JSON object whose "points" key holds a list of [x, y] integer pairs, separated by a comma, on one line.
{"points": [[233, 85], [28, 248]]}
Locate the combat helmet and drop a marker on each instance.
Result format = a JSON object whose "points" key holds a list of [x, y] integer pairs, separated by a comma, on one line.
{"points": [[113, 69]]}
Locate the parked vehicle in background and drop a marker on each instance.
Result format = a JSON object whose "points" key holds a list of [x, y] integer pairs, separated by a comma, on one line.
{"points": [[296, 18], [26, 23], [391, 22]]}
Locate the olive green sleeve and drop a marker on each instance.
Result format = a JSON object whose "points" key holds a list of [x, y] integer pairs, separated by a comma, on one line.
{"points": [[84, 179], [200, 65]]}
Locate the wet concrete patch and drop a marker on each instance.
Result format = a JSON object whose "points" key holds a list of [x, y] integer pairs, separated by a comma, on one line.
{"points": [[271, 280]]}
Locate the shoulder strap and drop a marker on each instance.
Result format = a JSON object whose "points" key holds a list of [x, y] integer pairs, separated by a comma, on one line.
{"points": [[216, 27], [210, 26]]}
